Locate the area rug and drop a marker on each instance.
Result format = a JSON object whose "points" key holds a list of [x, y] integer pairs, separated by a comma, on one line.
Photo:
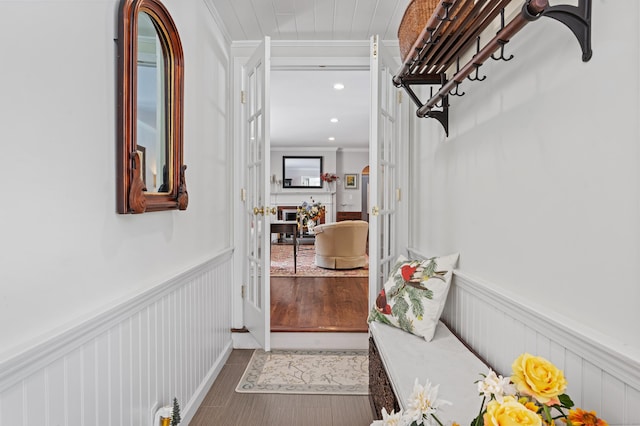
{"points": [[282, 263], [307, 372]]}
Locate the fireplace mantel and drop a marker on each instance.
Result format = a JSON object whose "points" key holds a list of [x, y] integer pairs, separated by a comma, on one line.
{"points": [[295, 198]]}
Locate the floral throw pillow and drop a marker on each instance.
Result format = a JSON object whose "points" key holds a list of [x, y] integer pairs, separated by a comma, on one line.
{"points": [[414, 295]]}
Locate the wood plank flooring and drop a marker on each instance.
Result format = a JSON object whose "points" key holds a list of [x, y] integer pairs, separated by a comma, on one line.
{"points": [[224, 407], [317, 304]]}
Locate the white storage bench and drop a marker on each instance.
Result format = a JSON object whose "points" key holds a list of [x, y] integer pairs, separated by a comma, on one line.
{"points": [[397, 358]]}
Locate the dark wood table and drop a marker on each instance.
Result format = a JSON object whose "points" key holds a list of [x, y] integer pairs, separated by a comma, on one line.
{"points": [[287, 227]]}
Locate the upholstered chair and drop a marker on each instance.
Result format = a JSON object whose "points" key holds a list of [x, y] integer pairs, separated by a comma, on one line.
{"points": [[342, 245]]}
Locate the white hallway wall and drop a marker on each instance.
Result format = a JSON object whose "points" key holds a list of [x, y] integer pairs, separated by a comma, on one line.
{"points": [[537, 185], [67, 256], [351, 161]]}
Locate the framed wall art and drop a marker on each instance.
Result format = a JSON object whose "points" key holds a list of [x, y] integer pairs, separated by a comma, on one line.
{"points": [[351, 181]]}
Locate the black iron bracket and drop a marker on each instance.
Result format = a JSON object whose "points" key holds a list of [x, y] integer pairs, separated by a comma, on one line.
{"points": [[577, 19], [442, 116]]}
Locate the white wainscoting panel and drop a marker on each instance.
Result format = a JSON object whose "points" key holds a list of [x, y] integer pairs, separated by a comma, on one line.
{"points": [[119, 367], [499, 329]]}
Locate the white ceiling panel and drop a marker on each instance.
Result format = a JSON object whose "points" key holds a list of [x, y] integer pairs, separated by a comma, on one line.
{"points": [[324, 13], [310, 19], [345, 15], [305, 18]]}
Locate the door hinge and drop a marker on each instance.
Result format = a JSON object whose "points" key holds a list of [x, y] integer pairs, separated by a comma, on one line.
{"points": [[243, 290], [243, 195], [243, 98], [398, 194], [374, 53], [399, 97]]}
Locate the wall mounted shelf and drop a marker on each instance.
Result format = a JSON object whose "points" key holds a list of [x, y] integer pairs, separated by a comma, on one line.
{"points": [[456, 27]]}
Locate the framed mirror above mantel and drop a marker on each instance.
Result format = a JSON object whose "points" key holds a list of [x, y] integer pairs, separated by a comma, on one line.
{"points": [[301, 172], [150, 168]]}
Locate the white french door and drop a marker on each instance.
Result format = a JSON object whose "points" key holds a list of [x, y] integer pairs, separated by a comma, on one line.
{"points": [[383, 157], [257, 147]]}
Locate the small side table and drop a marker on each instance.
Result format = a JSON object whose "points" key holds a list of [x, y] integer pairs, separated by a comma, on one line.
{"points": [[287, 227]]}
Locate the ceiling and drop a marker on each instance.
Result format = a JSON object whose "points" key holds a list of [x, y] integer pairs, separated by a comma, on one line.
{"points": [[304, 101], [310, 19]]}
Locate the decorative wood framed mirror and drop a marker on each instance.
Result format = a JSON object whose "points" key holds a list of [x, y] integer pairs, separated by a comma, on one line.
{"points": [[301, 172], [150, 169]]}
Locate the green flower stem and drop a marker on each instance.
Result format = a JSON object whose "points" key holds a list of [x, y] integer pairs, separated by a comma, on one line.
{"points": [[436, 419], [477, 420]]}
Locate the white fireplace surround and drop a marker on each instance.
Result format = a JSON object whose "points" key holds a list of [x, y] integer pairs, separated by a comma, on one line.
{"points": [[295, 198]]}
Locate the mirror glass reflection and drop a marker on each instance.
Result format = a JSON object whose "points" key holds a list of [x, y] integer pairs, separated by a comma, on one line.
{"points": [[151, 130], [301, 172]]}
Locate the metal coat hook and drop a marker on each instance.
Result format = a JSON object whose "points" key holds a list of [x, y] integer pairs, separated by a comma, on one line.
{"points": [[456, 91], [446, 17], [444, 101], [502, 57], [502, 42], [477, 76], [441, 104], [431, 40]]}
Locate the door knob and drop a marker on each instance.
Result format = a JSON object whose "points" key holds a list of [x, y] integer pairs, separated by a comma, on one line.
{"points": [[257, 211], [375, 210]]}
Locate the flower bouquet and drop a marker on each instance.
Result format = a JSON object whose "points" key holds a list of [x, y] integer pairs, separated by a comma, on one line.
{"points": [[329, 177], [310, 211], [533, 396]]}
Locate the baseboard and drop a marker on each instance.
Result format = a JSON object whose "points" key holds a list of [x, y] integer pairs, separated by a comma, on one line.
{"points": [[190, 410]]}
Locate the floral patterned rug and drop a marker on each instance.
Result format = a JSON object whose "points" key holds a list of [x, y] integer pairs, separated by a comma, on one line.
{"points": [[282, 263], [307, 372]]}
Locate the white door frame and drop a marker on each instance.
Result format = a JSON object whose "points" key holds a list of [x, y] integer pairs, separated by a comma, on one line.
{"points": [[348, 61], [255, 214], [384, 155]]}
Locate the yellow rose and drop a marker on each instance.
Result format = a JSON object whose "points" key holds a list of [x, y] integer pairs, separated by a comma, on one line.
{"points": [[538, 378], [510, 413]]}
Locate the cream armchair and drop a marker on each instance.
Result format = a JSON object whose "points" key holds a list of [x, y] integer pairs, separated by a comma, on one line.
{"points": [[342, 245]]}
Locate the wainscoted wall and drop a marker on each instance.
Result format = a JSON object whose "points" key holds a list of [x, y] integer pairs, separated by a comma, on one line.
{"points": [[119, 367], [499, 328]]}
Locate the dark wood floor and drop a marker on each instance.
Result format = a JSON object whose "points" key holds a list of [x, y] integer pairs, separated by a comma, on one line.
{"points": [[317, 304], [224, 407]]}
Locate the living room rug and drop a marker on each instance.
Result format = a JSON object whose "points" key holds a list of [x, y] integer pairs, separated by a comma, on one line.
{"points": [[282, 263], [307, 372]]}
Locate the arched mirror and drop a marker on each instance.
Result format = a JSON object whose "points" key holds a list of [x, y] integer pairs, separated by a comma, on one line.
{"points": [[150, 104]]}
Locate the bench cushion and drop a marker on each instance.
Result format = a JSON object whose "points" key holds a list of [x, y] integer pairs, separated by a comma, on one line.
{"points": [[445, 361]]}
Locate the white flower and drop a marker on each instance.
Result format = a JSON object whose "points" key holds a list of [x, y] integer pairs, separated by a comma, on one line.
{"points": [[497, 386], [393, 419], [423, 402]]}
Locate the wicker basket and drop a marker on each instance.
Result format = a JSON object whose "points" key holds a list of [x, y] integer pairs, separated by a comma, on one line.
{"points": [[413, 21]]}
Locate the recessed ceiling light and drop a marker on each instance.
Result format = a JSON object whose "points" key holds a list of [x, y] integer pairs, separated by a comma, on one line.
{"points": [[338, 86], [332, 138], [334, 120]]}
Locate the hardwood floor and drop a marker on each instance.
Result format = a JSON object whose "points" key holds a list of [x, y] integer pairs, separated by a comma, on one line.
{"points": [[319, 304], [224, 407]]}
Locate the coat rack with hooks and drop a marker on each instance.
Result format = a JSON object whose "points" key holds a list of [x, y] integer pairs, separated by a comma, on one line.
{"points": [[456, 27]]}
